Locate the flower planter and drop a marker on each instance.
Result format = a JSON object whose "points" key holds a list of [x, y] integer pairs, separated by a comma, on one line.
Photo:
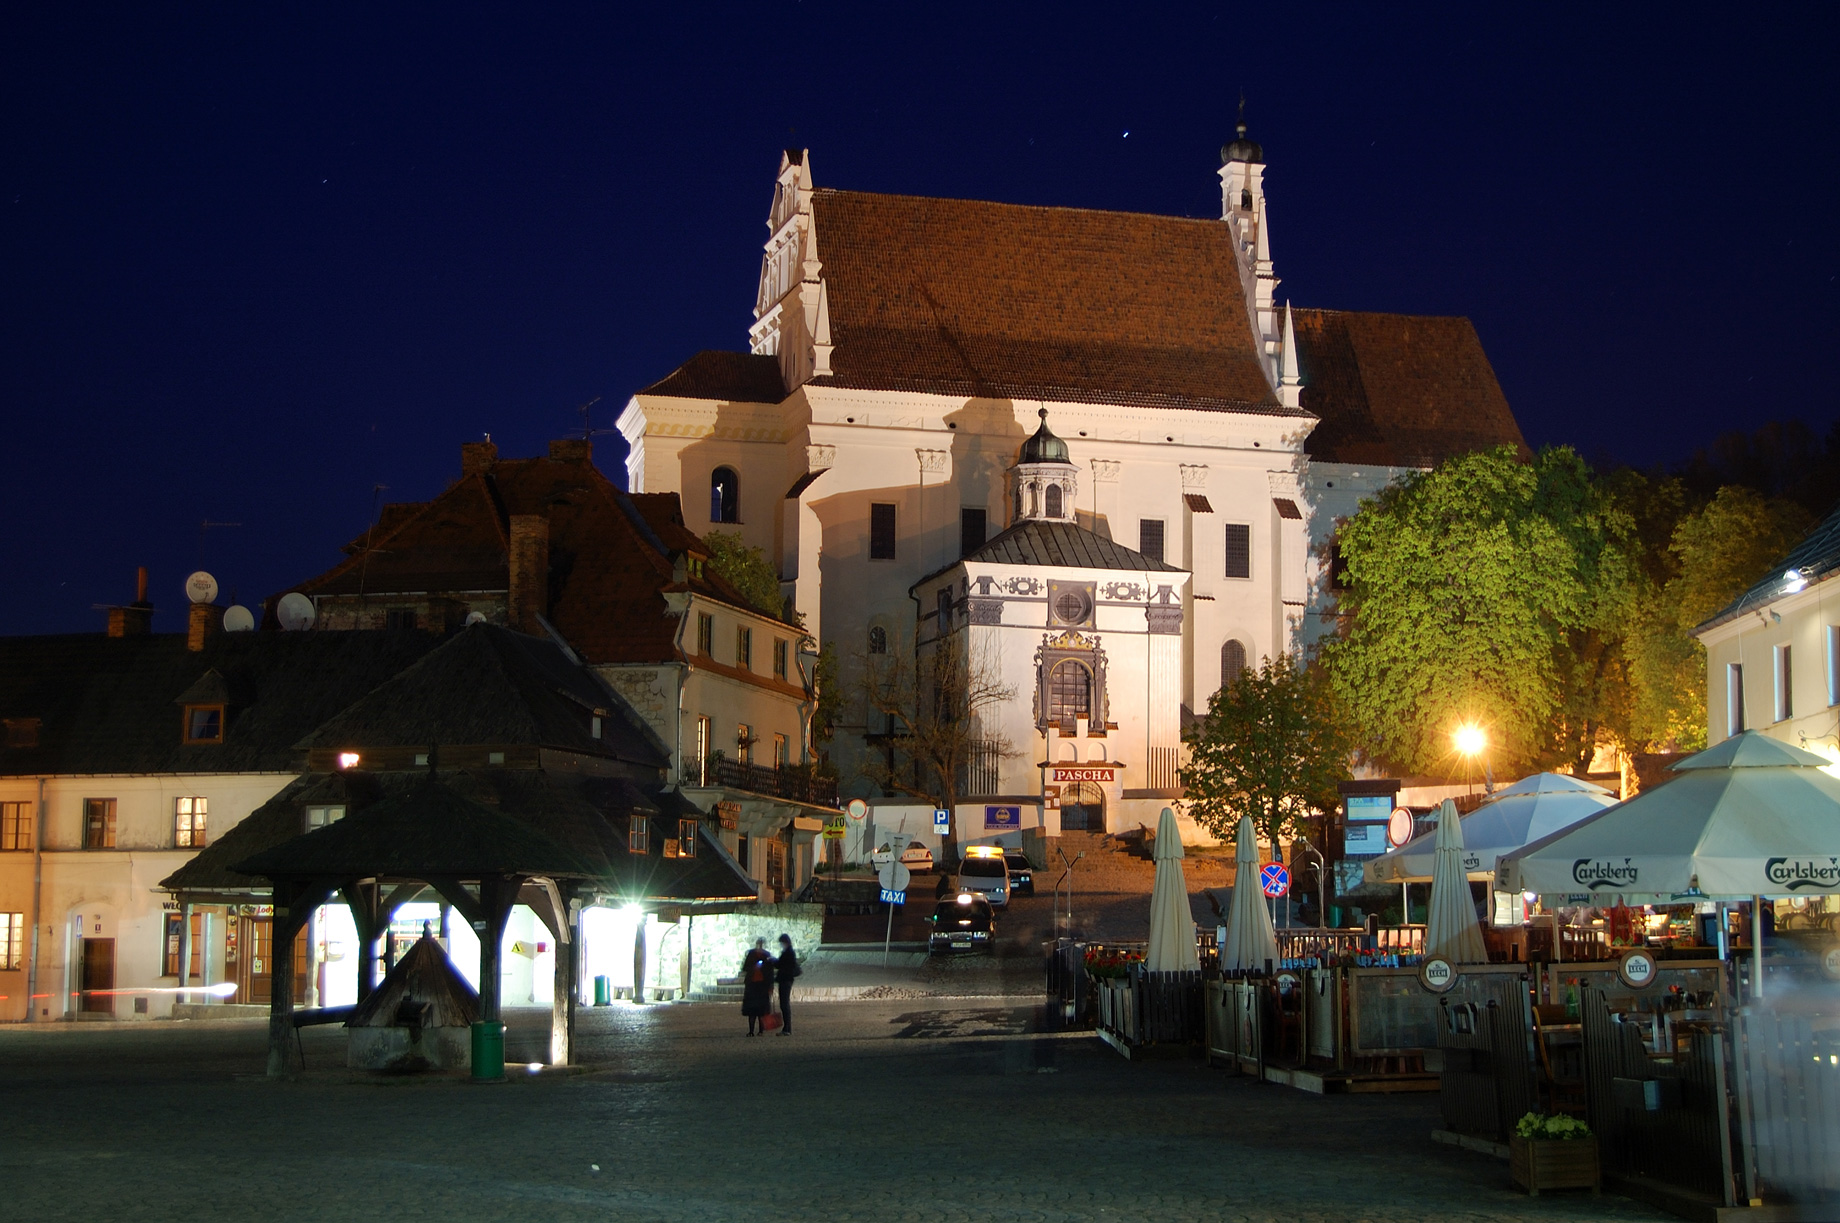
{"points": [[1553, 1163]]}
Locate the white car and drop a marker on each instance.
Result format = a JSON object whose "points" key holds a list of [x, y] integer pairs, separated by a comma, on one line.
{"points": [[917, 857], [983, 872]]}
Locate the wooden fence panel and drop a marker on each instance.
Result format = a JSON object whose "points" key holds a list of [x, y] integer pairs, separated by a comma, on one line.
{"points": [[1792, 1066]]}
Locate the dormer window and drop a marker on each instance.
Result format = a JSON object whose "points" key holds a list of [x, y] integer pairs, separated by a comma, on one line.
{"points": [[204, 723], [638, 834], [320, 817]]}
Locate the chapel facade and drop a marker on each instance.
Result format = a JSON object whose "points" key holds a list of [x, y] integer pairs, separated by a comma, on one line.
{"points": [[1092, 449]]}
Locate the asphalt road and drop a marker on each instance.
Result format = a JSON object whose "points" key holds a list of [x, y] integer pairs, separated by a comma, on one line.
{"points": [[883, 1111]]}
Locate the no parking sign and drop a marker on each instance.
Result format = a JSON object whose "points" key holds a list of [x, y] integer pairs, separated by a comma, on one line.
{"points": [[1274, 879]]}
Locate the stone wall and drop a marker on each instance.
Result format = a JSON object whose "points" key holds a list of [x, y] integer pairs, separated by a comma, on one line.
{"points": [[718, 942]]}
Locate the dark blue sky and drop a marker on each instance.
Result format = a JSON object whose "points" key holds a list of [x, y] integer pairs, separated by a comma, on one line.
{"points": [[256, 263]]}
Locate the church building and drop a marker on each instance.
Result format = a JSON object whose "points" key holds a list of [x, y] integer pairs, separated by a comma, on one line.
{"points": [[1093, 452]]}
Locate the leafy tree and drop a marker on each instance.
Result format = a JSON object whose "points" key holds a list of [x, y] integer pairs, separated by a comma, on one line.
{"points": [[1490, 590], [747, 569], [1272, 745]]}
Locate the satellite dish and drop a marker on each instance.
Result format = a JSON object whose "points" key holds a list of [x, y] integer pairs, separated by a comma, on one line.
{"points": [[201, 587], [237, 619], [475, 617], [295, 611]]}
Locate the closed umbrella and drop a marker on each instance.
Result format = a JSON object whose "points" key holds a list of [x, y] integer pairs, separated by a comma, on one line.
{"points": [[1251, 944], [1512, 817], [1451, 932], [1172, 925]]}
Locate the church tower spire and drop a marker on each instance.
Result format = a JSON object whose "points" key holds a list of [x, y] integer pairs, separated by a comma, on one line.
{"points": [[1242, 207], [1044, 481]]}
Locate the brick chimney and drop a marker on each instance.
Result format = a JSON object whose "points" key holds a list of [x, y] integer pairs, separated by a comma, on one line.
{"points": [[529, 595], [476, 457], [204, 622], [136, 619], [572, 450]]}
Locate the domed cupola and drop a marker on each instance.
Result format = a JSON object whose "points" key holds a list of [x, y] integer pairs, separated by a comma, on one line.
{"points": [[1044, 481], [1240, 148]]}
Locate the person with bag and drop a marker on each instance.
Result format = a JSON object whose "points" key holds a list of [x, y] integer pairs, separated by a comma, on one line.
{"points": [[757, 986], [785, 970]]}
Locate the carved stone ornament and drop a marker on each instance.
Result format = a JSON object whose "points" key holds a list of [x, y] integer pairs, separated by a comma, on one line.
{"points": [[932, 462], [1194, 475], [1105, 470], [1123, 592], [820, 458], [1023, 586], [984, 611]]}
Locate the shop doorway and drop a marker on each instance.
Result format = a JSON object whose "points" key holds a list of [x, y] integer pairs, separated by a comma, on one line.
{"points": [[254, 949], [1083, 807], [96, 979]]}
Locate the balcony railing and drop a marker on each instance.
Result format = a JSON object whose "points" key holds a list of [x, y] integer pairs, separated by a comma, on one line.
{"points": [[792, 783]]}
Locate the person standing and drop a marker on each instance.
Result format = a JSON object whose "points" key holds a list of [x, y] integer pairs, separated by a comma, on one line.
{"points": [[757, 986], [785, 969]]}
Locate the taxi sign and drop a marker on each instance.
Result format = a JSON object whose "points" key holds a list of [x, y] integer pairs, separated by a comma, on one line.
{"points": [[1274, 879], [890, 896]]}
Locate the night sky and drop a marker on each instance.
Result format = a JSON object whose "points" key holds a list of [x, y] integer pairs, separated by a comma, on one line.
{"points": [[257, 264]]}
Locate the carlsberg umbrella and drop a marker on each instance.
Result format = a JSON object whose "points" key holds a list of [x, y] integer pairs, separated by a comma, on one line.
{"points": [[1451, 932], [1251, 944], [1172, 925], [1752, 816]]}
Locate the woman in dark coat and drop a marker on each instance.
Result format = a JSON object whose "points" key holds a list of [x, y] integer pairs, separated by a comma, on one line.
{"points": [[757, 986], [784, 970]]}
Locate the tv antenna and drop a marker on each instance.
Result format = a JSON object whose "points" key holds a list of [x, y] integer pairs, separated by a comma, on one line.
{"points": [[587, 428]]}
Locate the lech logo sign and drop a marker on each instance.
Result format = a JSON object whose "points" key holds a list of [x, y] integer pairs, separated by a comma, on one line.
{"points": [[1274, 879], [1437, 975], [1830, 963], [1637, 969]]}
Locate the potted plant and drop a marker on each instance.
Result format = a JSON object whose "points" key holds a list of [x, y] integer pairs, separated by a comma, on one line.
{"points": [[1552, 1152]]}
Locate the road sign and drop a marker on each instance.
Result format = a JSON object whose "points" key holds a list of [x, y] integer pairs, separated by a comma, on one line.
{"points": [[894, 877], [890, 896], [942, 821], [857, 808], [834, 828], [1274, 879], [1399, 827]]}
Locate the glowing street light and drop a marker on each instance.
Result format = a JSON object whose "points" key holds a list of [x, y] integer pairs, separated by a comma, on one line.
{"points": [[1472, 742]]}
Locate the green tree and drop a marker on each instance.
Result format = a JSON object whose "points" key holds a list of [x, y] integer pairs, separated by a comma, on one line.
{"points": [[747, 569], [1272, 745], [1490, 590]]}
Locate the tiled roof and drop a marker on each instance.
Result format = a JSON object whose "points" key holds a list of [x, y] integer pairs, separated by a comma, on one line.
{"points": [[964, 297], [490, 685], [113, 704], [1066, 546], [1815, 559], [611, 554], [1398, 390], [736, 376]]}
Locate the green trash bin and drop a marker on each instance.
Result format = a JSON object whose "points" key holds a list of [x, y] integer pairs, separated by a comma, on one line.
{"points": [[488, 1050], [603, 991]]}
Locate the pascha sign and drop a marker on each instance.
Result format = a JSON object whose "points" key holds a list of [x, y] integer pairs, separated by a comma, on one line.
{"points": [[1090, 772]]}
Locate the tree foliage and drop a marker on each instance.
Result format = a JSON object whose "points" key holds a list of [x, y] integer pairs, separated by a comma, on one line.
{"points": [[1490, 590], [1272, 745], [748, 570]]}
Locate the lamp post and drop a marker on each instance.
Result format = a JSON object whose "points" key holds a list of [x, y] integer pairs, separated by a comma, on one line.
{"points": [[1472, 742]]}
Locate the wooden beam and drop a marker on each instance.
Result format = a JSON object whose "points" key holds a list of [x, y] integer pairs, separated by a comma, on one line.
{"points": [[454, 893], [565, 984], [496, 896]]}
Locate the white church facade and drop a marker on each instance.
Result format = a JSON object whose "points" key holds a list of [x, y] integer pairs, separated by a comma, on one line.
{"points": [[1089, 449]]}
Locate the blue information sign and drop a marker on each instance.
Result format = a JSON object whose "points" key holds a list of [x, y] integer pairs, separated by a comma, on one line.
{"points": [[942, 820], [894, 898], [1003, 819], [1274, 879]]}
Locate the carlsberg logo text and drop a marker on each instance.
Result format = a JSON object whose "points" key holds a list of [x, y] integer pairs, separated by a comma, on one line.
{"points": [[1798, 873], [1595, 874]]}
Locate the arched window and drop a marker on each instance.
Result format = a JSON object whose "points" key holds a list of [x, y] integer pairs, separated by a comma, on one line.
{"points": [[878, 639], [724, 495], [1232, 662], [1069, 693], [1245, 199], [1018, 517], [1054, 501]]}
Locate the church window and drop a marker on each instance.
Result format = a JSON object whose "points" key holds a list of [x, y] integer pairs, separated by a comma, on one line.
{"points": [[1150, 538], [1245, 199], [1054, 501], [1018, 503], [878, 639], [1232, 662], [1072, 607], [881, 531], [1239, 550], [971, 531], [1069, 693], [943, 602], [724, 495]]}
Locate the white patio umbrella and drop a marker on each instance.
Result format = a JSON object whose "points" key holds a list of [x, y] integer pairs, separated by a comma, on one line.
{"points": [[1531, 808], [1752, 816], [1172, 924], [1251, 943], [1451, 932]]}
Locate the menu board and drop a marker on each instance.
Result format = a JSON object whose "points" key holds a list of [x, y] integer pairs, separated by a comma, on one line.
{"points": [[1364, 825]]}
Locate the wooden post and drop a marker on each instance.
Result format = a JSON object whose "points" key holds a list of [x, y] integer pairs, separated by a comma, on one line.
{"points": [[286, 924], [496, 897], [562, 999], [185, 954]]}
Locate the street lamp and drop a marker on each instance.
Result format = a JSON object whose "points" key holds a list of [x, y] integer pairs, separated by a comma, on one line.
{"points": [[1472, 742]]}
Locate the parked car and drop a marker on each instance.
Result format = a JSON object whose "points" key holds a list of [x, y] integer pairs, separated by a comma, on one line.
{"points": [[984, 872], [964, 922], [1021, 873], [917, 857]]}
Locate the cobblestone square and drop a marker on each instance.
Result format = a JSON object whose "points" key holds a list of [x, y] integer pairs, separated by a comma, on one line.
{"points": [[888, 1110]]}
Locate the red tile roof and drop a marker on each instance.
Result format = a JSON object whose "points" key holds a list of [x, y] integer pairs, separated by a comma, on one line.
{"points": [[739, 376], [1398, 389], [964, 297]]}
